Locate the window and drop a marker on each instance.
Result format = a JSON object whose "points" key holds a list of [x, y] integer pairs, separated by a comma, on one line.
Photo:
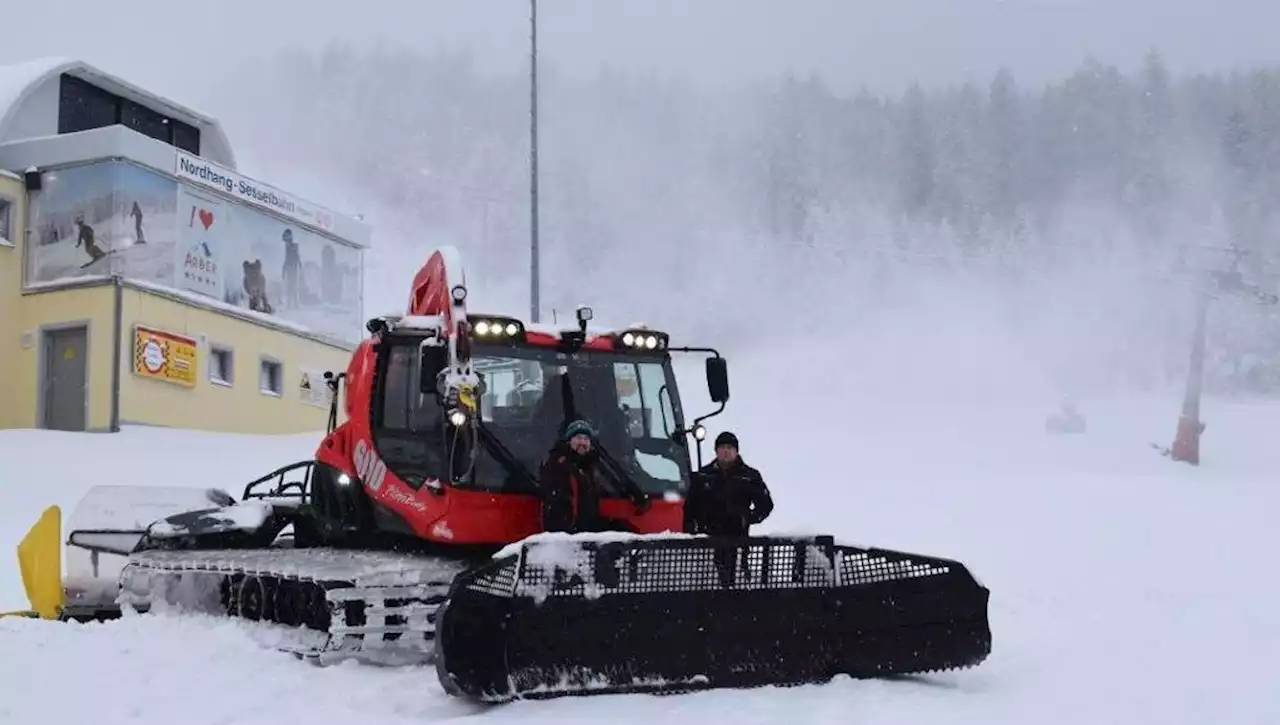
{"points": [[185, 136], [408, 425], [6, 221], [645, 401], [405, 408], [144, 120], [221, 366], [512, 387], [83, 106], [626, 397], [271, 377]]}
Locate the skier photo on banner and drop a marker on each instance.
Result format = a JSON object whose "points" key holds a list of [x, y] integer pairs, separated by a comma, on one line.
{"points": [[136, 213], [330, 276], [292, 271], [85, 238]]}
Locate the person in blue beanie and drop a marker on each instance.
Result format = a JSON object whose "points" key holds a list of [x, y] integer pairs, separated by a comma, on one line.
{"points": [[572, 485]]}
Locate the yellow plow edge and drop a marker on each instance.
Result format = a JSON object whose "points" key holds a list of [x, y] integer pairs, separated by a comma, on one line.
{"points": [[40, 561]]}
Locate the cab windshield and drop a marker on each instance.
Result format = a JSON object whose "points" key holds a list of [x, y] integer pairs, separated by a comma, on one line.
{"points": [[630, 400]]}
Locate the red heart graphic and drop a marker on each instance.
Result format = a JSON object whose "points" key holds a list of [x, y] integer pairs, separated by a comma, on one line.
{"points": [[206, 218]]}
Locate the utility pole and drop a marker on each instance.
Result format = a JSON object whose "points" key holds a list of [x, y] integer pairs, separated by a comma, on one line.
{"points": [[534, 270]]}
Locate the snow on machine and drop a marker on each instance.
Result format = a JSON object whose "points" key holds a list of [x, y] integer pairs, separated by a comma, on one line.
{"points": [[414, 535]]}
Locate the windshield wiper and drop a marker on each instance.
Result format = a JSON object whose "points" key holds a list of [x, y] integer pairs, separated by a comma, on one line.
{"points": [[504, 457], [627, 483]]}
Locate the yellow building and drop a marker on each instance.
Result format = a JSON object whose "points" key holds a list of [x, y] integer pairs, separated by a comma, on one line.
{"points": [[144, 280]]}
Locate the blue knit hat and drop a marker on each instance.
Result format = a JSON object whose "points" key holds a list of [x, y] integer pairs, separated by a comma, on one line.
{"points": [[579, 427]]}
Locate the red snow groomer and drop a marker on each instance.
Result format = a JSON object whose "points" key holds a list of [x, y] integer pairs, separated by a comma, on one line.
{"points": [[414, 534]]}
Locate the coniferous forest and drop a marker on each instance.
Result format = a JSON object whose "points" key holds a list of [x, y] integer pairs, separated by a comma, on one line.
{"points": [[1080, 211]]}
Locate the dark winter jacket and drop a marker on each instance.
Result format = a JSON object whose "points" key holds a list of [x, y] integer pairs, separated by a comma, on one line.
{"points": [[572, 486], [726, 501]]}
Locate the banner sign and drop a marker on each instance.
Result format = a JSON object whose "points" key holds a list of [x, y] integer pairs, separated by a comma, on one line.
{"points": [[213, 176], [116, 218], [164, 356], [201, 223]]}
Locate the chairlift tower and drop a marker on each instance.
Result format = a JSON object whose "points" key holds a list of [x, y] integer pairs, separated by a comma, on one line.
{"points": [[1186, 442]]}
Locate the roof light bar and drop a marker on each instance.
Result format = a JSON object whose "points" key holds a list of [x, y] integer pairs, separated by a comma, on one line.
{"points": [[496, 329], [643, 340]]}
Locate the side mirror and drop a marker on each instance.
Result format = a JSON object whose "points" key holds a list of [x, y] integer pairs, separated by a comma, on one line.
{"points": [[718, 379]]}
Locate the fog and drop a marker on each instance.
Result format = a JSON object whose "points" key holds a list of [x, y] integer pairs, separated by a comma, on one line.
{"points": [[935, 201], [851, 42]]}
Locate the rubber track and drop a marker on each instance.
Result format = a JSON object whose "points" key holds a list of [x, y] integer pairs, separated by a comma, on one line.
{"points": [[329, 605]]}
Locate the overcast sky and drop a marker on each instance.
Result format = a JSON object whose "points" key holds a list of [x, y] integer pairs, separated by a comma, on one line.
{"points": [[882, 43]]}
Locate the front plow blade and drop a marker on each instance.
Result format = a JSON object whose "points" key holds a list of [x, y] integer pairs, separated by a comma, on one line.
{"points": [[593, 614]]}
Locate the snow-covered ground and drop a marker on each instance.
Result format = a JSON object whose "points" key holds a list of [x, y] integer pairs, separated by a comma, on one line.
{"points": [[40, 468], [1125, 588]]}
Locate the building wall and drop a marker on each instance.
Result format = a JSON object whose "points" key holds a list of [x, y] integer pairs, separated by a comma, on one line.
{"points": [[92, 306], [10, 297], [103, 299], [241, 405]]}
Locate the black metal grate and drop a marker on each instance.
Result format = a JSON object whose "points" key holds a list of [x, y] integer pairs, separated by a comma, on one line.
{"points": [[660, 614], [569, 568], [500, 582], [864, 567]]}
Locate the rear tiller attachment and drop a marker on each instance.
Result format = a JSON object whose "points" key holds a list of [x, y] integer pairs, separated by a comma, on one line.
{"points": [[574, 615]]}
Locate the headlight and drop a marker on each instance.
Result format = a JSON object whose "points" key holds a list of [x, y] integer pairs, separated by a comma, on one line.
{"points": [[643, 340], [496, 329], [344, 479], [457, 418], [700, 432]]}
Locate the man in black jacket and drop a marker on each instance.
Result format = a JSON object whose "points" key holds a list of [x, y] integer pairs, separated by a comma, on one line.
{"points": [[727, 496], [572, 485]]}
